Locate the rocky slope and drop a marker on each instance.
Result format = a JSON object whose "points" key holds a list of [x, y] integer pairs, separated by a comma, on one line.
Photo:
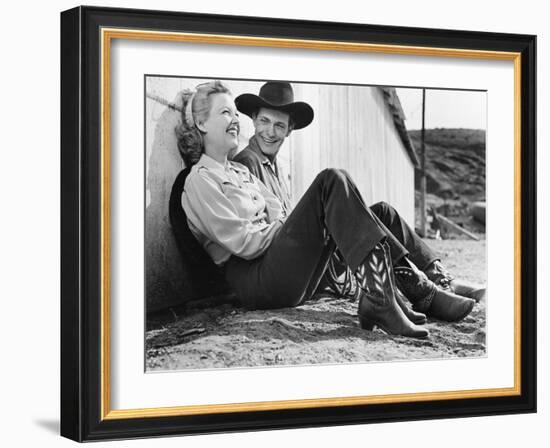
{"points": [[455, 170]]}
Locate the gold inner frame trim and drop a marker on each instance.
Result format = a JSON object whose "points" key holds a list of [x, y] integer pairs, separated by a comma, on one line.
{"points": [[107, 35]]}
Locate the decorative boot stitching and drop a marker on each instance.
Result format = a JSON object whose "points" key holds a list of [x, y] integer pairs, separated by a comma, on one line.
{"points": [[347, 286], [361, 276], [379, 273], [421, 303]]}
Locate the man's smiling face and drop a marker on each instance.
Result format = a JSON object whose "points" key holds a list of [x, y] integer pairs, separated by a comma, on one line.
{"points": [[271, 128]]}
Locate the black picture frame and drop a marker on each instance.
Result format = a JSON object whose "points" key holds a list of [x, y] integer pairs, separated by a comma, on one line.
{"points": [[82, 397]]}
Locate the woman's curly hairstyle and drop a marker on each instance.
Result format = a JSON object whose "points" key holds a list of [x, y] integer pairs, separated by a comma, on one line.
{"points": [[190, 138]]}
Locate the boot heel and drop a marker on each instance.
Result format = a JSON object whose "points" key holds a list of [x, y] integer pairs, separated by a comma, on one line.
{"points": [[366, 324]]}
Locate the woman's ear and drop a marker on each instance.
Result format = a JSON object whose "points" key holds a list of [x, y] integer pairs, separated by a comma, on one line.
{"points": [[200, 127]]}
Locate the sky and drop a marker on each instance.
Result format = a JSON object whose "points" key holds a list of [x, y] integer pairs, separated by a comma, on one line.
{"points": [[444, 108]]}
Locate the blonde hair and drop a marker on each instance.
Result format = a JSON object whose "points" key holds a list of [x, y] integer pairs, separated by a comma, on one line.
{"points": [[189, 137]]}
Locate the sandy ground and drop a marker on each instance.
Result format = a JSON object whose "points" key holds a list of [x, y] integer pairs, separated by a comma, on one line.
{"points": [[324, 330]]}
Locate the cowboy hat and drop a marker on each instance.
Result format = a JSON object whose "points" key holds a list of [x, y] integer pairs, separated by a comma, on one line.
{"points": [[279, 96]]}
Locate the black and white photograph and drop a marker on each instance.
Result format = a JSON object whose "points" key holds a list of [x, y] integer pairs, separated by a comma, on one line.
{"points": [[286, 224], [292, 223], [278, 224]]}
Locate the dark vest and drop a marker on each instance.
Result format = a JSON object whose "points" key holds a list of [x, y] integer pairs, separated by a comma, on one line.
{"points": [[206, 277]]}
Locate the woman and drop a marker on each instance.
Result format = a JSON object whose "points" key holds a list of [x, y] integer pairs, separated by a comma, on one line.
{"points": [[275, 261]]}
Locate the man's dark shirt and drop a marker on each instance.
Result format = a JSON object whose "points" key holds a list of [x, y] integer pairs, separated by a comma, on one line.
{"points": [[267, 171]]}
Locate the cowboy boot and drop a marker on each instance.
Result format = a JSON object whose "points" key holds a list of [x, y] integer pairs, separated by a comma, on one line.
{"points": [[438, 274], [377, 303], [466, 290], [413, 316], [428, 298]]}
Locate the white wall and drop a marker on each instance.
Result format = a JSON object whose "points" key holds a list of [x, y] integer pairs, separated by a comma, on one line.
{"points": [[30, 235], [353, 129]]}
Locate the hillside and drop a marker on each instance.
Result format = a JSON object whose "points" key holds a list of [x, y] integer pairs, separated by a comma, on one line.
{"points": [[455, 165], [455, 162]]}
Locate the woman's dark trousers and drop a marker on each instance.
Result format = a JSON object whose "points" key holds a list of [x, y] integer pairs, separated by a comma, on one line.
{"points": [[330, 215]]}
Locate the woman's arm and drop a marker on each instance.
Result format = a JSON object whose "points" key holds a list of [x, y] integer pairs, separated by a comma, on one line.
{"points": [[273, 206], [214, 215]]}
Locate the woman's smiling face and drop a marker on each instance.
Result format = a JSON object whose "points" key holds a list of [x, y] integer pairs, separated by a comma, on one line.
{"points": [[221, 128]]}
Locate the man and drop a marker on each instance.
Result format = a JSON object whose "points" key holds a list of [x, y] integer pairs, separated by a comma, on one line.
{"points": [[275, 115]]}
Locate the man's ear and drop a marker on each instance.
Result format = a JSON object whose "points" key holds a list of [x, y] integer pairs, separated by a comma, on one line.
{"points": [[288, 132]]}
